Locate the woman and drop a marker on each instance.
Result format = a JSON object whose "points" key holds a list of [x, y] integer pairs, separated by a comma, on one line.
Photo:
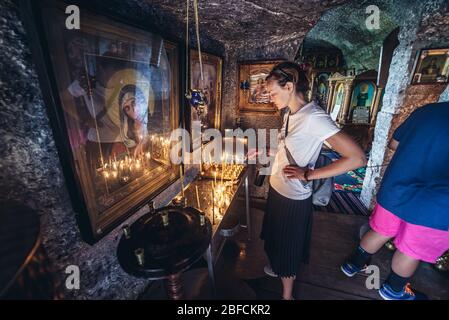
{"points": [[287, 223]]}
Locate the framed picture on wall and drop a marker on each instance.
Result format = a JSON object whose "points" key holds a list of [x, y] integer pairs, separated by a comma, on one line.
{"points": [[111, 91], [253, 94], [362, 101], [210, 85], [338, 101], [431, 66], [322, 85]]}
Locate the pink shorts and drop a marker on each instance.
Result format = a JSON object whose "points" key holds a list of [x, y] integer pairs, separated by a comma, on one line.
{"points": [[422, 243]]}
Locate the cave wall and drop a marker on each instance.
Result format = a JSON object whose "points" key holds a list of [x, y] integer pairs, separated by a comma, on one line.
{"points": [[345, 28], [425, 25], [31, 173]]}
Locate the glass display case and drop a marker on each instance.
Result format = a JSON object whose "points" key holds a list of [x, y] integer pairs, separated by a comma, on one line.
{"points": [[114, 101]]}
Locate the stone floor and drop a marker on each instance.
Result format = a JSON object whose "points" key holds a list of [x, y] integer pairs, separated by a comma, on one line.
{"points": [[239, 271]]}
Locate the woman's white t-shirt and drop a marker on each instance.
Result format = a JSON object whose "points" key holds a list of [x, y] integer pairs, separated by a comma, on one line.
{"points": [[308, 128]]}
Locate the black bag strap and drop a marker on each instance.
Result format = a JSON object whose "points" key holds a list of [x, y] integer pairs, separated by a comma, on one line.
{"points": [[290, 158], [287, 123]]}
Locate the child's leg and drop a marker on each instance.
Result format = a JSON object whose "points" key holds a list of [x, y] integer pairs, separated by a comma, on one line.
{"points": [[287, 287], [404, 265], [414, 243], [402, 269], [369, 245], [372, 241], [384, 226]]}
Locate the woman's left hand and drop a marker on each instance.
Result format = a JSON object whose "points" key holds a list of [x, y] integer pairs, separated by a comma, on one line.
{"points": [[294, 172]]}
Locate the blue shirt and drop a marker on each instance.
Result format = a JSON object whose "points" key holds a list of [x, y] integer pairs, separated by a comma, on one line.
{"points": [[415, 186]]}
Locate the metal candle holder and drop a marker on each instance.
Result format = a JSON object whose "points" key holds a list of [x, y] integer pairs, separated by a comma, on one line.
{"points": [[165, 220], [202, 219], [139, 253], [127, 231]]}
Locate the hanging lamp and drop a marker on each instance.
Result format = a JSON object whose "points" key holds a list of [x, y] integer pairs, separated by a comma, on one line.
{"points": [[195, 96]]}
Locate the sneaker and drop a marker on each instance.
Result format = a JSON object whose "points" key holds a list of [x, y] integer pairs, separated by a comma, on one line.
{"points": [[351, 270], [387, 293], [269, 271]]}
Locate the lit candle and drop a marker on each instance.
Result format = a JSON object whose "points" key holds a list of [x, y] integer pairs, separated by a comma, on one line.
{"points": [[202, 219], [197, 197], [148, 159], [215, 178], [182, 180], [201, 160], [213, 206], [152, 143], [222, 173], [222, 168]]}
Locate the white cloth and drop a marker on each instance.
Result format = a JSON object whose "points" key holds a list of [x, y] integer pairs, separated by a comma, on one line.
{"points": [[308, 128]]}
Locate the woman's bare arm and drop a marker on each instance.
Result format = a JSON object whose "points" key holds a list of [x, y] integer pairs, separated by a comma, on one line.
{"points": [[352, 157]]}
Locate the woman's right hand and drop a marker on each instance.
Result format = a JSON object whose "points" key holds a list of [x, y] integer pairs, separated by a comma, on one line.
{"points": [[295, 172], [253, 153]]}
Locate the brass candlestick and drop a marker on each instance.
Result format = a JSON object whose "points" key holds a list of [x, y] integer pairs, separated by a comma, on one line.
{"points": [[180, 201], [139, 253], [390, 245], [127, 231], [442, 263], [165, 220], [202, 219]]}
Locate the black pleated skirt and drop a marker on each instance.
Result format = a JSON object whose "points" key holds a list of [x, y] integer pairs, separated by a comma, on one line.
{"points": [[287, 232]]}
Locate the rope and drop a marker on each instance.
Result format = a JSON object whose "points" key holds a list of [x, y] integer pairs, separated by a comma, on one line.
{"points": [[197, 22], [96, 125], [187, 47], [378, 166]]}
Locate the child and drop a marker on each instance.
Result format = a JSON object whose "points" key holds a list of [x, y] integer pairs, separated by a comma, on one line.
{"points": [[412, 203]]}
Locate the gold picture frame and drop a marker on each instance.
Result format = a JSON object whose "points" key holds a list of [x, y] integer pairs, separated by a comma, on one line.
{"points": [[252, 93], [431, 66], [113, 98], [210, 85]]}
